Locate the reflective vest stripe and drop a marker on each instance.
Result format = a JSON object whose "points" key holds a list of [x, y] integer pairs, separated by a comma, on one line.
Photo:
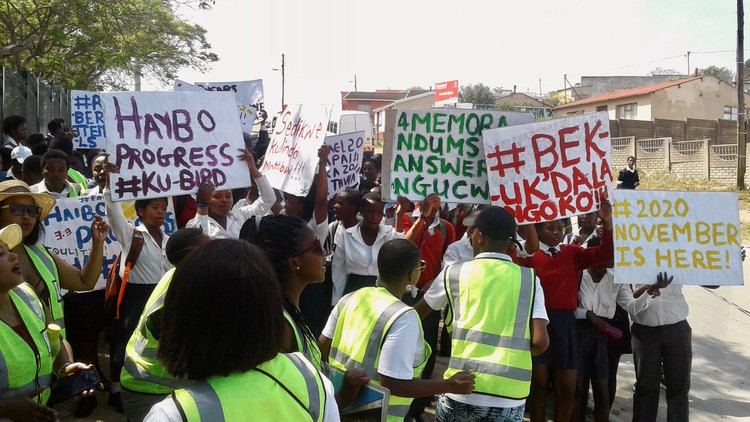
{"points": [[26, 294], [45, 265], [35, 384], [490, 339], [524, 304], [490, 368], [206, 401], [454, 274], [311, 351], [139, 373], [311, 383]]}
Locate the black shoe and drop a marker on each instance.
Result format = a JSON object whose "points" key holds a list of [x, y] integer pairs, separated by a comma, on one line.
{"points": [[85, 407], [115, 400]]}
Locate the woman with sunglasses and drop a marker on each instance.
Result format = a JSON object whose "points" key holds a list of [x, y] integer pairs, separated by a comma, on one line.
{"points": [[45, 272], [27, 356]]}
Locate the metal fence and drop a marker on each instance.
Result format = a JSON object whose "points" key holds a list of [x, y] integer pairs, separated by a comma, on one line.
{"points": [[30, 97]]}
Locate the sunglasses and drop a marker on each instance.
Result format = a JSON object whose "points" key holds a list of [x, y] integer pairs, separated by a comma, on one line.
{"points": [[316, 247], [19, 210]]}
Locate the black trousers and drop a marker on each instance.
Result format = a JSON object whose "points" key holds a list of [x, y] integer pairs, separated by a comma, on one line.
{"points": [[670, 347]]}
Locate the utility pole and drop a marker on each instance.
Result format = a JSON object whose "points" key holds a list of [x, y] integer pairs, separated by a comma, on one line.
{"points": [[688, 60], [540, 87], [283, 64], [355, 82], [741, 115]]}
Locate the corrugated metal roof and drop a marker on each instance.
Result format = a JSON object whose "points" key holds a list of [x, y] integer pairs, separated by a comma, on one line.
{"points": [[626, 93]]}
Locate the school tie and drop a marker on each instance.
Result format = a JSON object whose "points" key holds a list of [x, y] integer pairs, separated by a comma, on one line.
{"points": [[552, 252]]}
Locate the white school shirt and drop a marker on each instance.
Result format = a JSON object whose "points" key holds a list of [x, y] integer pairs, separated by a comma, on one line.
{"points": [[403, 347], [41, 187], [262, 205], [668, 308], [436, 297], [352, 256], [152, 262], [166, 410], [600, 298], [460, 251]]}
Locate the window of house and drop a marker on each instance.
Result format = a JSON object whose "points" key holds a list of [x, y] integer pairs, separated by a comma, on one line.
{"points": [[601, 108], [365, 107], [626, 111]]}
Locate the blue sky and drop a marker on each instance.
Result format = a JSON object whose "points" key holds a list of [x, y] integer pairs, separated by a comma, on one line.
{"points": [[398, 44]]}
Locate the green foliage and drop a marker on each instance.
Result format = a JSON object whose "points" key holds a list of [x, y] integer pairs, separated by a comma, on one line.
{"points": [[476, 94], [98, 44], [660, 71], [721, 73]]}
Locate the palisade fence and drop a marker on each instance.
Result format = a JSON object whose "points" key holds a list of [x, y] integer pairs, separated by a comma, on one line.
{"points": [[696, 159], [30, 97]]}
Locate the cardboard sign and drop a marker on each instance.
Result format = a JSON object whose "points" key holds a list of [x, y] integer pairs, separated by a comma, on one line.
{"points": [[87, 120], [344, 160], [248, 110], [292, 156], [170, 220], [446, 93], [168, 143], [550, 170], [440, 151], [67, 233], [693, 236]]}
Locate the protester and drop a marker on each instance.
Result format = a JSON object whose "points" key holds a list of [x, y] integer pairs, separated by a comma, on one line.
{"points": [[144, 379], [370, 170], [99, 173], [143, 277], [14, 128], [18, 155], [29, 356], [557, 267], [31, 170], [215, 215], [222, 327], [628, 177], [55, 165], [378, 313]]}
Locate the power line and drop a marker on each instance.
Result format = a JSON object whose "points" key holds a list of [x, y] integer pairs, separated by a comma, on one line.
{"points": [[674, 57]]}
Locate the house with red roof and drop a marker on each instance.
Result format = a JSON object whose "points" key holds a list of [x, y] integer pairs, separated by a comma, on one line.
{"points": [[699, 97]]}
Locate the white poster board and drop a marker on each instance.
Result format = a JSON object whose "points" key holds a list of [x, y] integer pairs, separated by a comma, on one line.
{"points": [[292, 156], [693, 236], [550, 170], [344, 160], [441, 151], [67, 233], [249, 98], [168, 143], [87, 120]]}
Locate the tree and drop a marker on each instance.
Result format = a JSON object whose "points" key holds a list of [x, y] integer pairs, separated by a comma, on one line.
{"points": [[660, 71], [98, 44], [476, 94], [721, 73]]}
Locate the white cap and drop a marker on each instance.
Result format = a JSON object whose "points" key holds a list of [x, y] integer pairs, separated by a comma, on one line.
{"points": [[20, 153]]}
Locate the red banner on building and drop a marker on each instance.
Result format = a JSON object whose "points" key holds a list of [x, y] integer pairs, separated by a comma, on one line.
{"points": [[446, 93]]}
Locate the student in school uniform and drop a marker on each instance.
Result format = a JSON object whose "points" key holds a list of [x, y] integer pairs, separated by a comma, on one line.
{"points": [[557, 267]]}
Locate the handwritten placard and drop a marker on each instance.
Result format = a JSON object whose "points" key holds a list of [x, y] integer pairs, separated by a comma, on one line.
{"points": [[550, 170], [344, 160], [249, 97], [87, 120], [292, 155], [168, 143], [67, 233], [441, 151], [694, 236]]}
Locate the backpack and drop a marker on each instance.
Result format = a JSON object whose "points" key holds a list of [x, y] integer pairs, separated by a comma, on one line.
{"points": [[115, 289]]}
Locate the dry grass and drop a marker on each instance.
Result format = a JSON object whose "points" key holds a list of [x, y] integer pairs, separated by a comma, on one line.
{"points": [[668, 181]]}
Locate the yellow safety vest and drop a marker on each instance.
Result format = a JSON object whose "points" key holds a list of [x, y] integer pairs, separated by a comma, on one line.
{"points": [[142, 371], [22, 370], [365, 316], [490, 303], [310, 350], [285, 388], [79, 180], [47, 268]]}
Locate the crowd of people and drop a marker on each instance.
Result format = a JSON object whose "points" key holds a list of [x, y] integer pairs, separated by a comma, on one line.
{"points": [[248, 307]]}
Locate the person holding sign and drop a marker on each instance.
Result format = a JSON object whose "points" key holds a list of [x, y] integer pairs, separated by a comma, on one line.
{"points": [[374, 330], [222, 327], [215, 215], [150, 267], [558, 267], [28, 353]]}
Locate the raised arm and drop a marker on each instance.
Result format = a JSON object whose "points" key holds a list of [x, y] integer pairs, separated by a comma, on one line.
{"points": [[321, 192]]}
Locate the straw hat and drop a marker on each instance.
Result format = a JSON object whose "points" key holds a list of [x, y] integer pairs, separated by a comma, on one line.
{"points": [[10, 188], [12, 235]]}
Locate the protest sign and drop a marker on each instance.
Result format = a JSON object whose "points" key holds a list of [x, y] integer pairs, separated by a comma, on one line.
{"points": [[440, 151], [170, 220], [248, 105], [693, 236], [67, 233], [87, 119], [168, 143], [550, 170], [292, 155], [344, 160]]}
